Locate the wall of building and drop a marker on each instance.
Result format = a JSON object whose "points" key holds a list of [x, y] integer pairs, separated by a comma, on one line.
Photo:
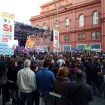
{"points": [[103, 22], [73, 9]]}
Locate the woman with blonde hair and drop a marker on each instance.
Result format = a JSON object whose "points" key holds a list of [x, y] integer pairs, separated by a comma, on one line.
{"points": [[61, 85]]}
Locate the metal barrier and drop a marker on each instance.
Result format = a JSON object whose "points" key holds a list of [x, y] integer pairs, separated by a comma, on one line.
{"points": [[60, 97]]}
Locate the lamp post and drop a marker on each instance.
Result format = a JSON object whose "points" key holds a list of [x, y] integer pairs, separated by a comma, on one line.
{"points": [[56, 30], [57, 26], [57, 18]]}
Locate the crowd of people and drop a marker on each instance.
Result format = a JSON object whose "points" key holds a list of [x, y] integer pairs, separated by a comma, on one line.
{"points": [[76, 76]]}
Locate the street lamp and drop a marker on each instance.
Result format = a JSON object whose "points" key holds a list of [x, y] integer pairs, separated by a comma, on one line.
{"points": [[57, 26], [57, 18]]}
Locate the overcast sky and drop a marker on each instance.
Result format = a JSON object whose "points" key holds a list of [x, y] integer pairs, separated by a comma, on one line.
{"points": [[23, 9]]}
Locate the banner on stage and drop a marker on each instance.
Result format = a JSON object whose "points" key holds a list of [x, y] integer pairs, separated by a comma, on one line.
{"points": [[56, 40]]}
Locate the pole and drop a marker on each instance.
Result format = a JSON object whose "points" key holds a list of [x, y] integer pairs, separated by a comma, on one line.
{"points": [[57, 27]]}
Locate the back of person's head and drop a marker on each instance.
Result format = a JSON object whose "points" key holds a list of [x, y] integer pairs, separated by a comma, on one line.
{"points": [[12, 62], [2, 57], [60, 56], [27, 63], [62, 72], [89, 60], [46, 63], [73, 63], [80, 75], [57, 64], [20, 61]]}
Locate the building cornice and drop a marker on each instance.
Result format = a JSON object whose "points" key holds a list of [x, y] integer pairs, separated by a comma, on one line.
{"points": [[50, 3], [81, 30], [63, 9]]}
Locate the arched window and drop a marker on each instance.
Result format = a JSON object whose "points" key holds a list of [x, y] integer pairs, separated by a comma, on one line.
{"points": [[95, 18], [81, 21], [67, 23]]}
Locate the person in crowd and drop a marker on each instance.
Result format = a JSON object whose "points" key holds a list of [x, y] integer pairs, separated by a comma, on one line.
{"points": [[34, 68], [61, 60], [45, 79], [102, 73], [56, 68], [39, 61], [80, 64], [92, 69], [73, 70], [12, 77], [61, 85], [3, 80], [19, 64], [79, 91], [67, 62], [26, 81]]}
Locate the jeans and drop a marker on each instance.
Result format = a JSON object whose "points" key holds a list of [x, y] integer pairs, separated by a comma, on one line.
{"points": [[102, 91], [26, 97], [5, 93], [48, 99], [36, 97]]}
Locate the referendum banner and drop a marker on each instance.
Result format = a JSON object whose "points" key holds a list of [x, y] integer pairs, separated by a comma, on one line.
{"points": [[6, 27], [56, 40], [6, 32]]}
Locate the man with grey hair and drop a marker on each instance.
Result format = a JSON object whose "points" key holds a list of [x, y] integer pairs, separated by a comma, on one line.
{"points": [[26, 81]]}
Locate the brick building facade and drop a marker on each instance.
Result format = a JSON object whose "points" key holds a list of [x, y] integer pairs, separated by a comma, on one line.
{"points": [[80, 22]]}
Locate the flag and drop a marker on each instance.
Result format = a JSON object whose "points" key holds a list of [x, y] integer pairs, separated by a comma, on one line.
{"points": [[51, 36]]}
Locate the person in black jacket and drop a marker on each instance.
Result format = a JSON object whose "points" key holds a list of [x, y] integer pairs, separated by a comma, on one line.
{"points": [[3, 80], [80, 92], [92, 69], [61, 85]]}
